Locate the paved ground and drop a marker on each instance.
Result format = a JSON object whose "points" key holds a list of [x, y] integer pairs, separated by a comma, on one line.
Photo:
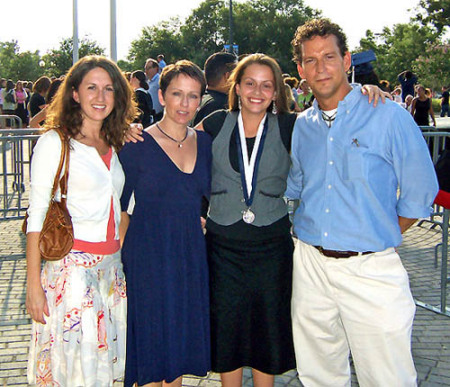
{"points": [[431, 334]]}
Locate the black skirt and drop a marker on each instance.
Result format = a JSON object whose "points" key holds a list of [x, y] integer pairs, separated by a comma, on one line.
{"points": [[250, 295]]}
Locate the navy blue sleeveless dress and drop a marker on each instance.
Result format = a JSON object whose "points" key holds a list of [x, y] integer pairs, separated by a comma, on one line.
{"points": [[165, 264]]}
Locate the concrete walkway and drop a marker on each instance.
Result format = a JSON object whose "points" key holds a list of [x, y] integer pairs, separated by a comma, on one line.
{"points": [[431, 334]]}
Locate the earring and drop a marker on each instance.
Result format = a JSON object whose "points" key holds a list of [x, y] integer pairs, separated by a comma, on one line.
{"points": [[274, 108], [239, 103]]}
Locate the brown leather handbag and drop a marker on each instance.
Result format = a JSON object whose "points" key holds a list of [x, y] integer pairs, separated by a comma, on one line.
{"points": [[56, 237]]}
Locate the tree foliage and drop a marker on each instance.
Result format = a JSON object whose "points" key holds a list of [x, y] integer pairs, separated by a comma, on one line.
{"points": [[18, 65], [59, 60], [272, 24], [406, 47], [434, 13]]}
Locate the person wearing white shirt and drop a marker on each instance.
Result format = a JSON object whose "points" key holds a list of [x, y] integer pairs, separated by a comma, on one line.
{"points": [[78, 303]]}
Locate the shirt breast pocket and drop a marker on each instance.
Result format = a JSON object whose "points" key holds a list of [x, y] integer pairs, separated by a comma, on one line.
{"points": [[355, 164]]}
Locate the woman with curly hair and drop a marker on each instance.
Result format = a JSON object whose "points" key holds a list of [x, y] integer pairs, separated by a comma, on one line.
{"points": [[78, 304]]}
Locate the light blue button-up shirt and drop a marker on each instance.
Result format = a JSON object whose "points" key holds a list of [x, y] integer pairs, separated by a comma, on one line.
{"points": [[355, 178], [153, 87]]}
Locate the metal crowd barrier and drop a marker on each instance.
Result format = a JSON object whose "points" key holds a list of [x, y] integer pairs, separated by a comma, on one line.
{"points": [[15, 154], [437, 142]]}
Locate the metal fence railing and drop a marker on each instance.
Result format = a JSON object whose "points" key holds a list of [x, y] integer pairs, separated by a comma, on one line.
{"points": [[15, 154]]}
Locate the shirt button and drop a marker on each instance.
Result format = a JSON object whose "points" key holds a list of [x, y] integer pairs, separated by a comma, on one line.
{"points": [[325, 234], [331, 138], [242, 200], [331, 162], [348, 111], [327, 210], [329, 186]]}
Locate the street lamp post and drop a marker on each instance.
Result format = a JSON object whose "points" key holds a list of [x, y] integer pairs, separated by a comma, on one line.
{"points": [[75, 55], [113, 31], [231, 27]]}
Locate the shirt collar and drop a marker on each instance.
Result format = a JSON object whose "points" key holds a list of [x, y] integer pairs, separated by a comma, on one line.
{"points": [[349, 101]]}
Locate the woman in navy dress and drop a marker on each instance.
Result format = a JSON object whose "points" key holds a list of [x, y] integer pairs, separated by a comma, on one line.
{"points": [[164, 251]]}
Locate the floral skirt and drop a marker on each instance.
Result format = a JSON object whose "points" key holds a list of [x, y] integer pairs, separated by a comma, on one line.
{"points": [[83, 341]]}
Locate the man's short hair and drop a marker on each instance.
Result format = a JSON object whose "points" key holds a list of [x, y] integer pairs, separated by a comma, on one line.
{"points": [[317, 27], [217, 65], [150, 63]]}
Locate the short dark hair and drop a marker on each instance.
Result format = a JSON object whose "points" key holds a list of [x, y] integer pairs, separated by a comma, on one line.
{"points": [[217, 65], [317, 27], [185, 67], [150, 63]]}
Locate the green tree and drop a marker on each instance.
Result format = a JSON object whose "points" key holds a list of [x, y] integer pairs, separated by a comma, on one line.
{"points": [[205, 31], [434, 13], [59, 61], [273, 24], [398, 48], [18, 65], [163, 38], [433, 66]]}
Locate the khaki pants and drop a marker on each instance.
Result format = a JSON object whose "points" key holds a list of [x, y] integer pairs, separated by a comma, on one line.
{"points": [[361, 304]]}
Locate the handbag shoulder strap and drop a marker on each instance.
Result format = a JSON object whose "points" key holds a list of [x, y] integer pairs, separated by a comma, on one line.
{"points": [[64, 157]]}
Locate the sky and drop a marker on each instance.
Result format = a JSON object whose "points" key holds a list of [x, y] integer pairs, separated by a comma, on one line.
{"points": [[41, 25]]}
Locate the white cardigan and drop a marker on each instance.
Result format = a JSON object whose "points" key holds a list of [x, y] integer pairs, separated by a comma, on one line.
{"points": [[89, 191]]}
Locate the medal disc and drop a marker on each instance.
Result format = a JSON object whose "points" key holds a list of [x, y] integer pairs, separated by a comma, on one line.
{"points": [[248, 216]]}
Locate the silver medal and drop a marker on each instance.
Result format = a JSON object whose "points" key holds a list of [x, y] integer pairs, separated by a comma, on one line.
{"points": [[248, 216]]}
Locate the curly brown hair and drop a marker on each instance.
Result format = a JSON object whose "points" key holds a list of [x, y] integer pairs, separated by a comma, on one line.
{"points": [[265, 60], [64, 113], [317, 27]]}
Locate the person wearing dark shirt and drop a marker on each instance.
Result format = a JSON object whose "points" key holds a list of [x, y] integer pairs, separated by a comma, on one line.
{"points": [[218, 68], [37, 100], [139, 83], [444, 102], [408, 80]]}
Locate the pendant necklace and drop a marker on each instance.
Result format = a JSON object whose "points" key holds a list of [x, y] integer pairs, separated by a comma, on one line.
{"points": [[179, 142], [329, 118]]}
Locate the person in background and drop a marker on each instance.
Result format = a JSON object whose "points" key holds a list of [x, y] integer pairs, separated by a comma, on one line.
{"points": [[444, 102], [218, 68], [397, 95], [9, 102], [39, 118], [408, 81], [164, 250], [37, 100], [362, 176], [21, 107], [293, 82], [161, 62], [78, 303], [2, 87], [422, 108], [385, 86], [151, 70], [138, 81], [408, 102], [305, 97]]}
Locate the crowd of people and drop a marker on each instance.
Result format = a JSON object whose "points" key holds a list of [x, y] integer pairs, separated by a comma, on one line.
{"points": [[185, 259]]}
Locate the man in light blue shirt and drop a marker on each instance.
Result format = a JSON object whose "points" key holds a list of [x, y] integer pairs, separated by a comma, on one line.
{"points": [[152, 71], [363, 176]]}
